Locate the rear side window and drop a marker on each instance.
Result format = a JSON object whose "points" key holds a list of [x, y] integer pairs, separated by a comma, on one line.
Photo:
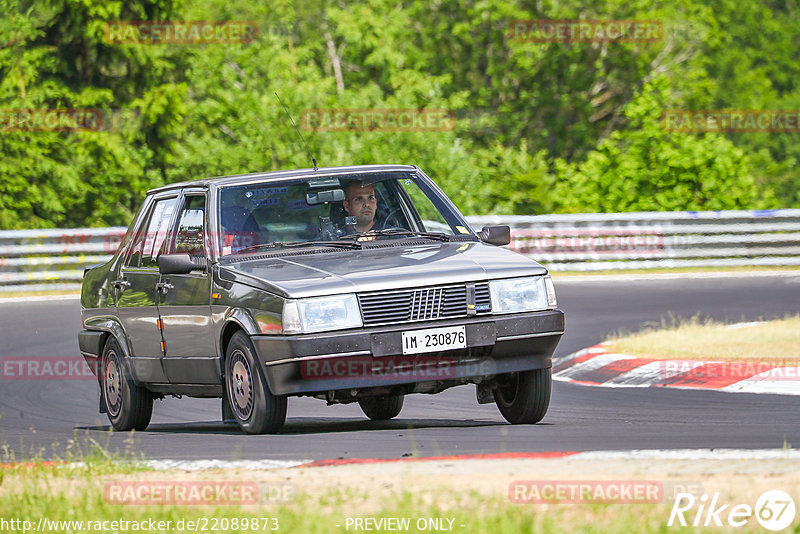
{"points": [[155, 238]]}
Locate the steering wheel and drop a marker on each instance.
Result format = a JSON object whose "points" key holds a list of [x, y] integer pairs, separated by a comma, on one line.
{"points": [[392, 221]]}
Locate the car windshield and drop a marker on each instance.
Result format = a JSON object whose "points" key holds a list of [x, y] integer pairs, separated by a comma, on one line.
{"points": [[324, 209]]}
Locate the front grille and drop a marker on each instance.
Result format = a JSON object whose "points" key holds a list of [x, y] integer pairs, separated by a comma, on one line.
{"points": [[483, 299], [421, 304]]}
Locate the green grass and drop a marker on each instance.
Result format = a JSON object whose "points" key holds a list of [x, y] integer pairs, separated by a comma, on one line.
{"points": [[77, 493], [697, 339], [76, 497], [81, 452]]}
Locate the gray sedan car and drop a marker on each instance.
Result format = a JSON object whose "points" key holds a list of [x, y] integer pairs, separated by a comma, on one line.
{"points": [[348, 284]]}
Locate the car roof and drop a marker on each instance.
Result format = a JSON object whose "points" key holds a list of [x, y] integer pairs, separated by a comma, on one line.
{"points": [[279, 175]]}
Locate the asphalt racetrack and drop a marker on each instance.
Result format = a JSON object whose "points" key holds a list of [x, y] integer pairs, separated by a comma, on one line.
{"points": [[39, 417]]}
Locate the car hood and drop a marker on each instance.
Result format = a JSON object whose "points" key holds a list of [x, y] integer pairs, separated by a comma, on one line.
{"points": [[307, 273]]}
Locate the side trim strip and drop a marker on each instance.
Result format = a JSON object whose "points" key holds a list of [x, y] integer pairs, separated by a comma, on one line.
{"points": [[525, 336], [320, 357]]}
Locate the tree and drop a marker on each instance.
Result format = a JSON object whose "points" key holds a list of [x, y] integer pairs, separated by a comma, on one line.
{"points": [[646, 168]]}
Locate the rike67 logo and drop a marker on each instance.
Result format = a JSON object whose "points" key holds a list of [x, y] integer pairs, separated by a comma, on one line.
{"points": [[774, 510]]}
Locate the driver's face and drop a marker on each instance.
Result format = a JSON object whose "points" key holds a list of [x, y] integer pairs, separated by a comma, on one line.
{"points": [[360, 202]]}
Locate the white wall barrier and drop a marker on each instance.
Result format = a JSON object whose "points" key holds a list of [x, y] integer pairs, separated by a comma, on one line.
{"points": [[32, 260]]}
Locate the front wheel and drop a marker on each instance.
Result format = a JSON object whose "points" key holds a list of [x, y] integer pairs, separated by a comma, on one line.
{"points": [[523, 397], [254, 407], [382, 408], [128, 406]]}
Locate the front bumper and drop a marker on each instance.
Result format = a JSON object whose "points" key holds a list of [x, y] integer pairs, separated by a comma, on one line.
{"points": [[373, 357]]}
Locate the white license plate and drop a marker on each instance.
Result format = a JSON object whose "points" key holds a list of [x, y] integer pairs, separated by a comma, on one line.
{"points": [[434, 339]]}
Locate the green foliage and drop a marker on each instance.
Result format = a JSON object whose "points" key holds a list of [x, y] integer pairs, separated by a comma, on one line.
{"points": [[57, 60], [541, 127], [648, 169], [506, 180]]}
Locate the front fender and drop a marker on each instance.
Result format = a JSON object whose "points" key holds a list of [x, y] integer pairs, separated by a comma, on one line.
{"points": [[251, 323], [242, 318]]}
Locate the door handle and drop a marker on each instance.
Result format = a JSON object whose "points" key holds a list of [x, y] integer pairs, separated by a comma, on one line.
{"points": [[163, 287], [121, 284]]}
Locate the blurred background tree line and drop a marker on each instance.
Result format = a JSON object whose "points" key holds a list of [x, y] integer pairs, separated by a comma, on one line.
{"points": [[541, 127]]}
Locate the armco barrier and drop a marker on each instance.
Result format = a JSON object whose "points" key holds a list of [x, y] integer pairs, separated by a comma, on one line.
{"points": [[643, 240], [32, 260], [36, 260]]}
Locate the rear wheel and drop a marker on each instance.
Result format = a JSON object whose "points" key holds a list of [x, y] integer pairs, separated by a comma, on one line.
{"points": [[128, 406], [254, 407], [523, 397], [382, 408]]}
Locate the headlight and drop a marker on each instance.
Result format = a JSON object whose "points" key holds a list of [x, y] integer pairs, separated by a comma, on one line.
{"points": [[519, 294], [319, 314]]}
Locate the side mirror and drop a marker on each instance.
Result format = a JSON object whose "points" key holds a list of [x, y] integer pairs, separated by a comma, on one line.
{"points": [[496, 235], [178, 264]]}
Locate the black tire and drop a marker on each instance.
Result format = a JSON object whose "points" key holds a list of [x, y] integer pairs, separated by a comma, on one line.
{"points": [[523, 397], [382, 408], [255, 408], [128, 406], [227, 412]]}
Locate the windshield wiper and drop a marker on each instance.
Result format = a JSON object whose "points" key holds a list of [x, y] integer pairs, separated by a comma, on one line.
{"points": [[298, 244], [441, 236], [340, 244]]}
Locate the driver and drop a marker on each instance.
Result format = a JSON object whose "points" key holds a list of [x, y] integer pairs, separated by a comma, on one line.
{"points": [[360, 202]]}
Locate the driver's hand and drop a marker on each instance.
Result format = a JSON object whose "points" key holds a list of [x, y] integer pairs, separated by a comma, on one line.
{"points": [[367, 236]]}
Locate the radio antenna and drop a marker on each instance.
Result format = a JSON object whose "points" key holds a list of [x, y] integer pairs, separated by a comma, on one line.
{"points": [[297, 130]]}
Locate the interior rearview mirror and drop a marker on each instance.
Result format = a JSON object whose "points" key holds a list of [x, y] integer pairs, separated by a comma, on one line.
{"points": [[322, 197]]}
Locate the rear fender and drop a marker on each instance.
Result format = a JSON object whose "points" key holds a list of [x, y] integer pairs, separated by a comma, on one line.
{"points": [[112, 327]]}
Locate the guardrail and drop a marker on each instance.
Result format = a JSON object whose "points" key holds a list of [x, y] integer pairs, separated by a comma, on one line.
{"points": [[645, 240], [33, 260]]}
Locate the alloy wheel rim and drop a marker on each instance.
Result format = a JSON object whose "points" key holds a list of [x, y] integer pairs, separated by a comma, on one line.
{"points": [[111, 384], [240, 384]]}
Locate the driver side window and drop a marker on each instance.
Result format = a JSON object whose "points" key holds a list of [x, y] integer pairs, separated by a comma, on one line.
{"points": [[155, 238], [431, 218], [190, 236], [145, 239]]}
